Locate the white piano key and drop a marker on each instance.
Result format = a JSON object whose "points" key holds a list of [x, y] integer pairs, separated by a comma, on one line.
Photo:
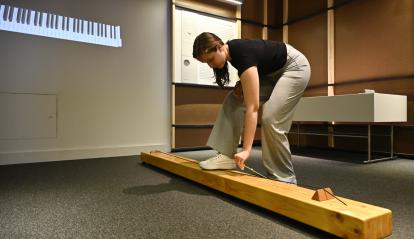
{"points": [[2, 8], [85, 31], [70, 31], [11, 13], [59, 31], [108, 36], [3, 11], [95, 33], [32, 27], [14, 24], [43, 20], [118, 36], [22, 26]]}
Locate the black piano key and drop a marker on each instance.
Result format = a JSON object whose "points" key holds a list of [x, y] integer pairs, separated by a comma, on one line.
{"points": [[47, 20], [74, 24], [23, 20], [93, 29], [99, 29], [82, 25], [78, 26], [40, 19], [11, 14], [114, 33], [67, 23], [52, 21], [19, 15], [88, 27], [28, 16], [102, 33], [110, 31], [6, 11], [57, 22], [36, 17], [105, 29]]}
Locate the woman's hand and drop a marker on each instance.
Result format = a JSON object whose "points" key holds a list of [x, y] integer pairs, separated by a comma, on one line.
{"points": [[240, 157], [238, 91]]}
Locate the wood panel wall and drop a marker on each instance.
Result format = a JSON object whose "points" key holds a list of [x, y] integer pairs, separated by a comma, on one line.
{"points": [[373, 49]]}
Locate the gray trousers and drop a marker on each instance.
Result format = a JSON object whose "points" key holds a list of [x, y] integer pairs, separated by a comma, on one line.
{"points": [[279, 94]]}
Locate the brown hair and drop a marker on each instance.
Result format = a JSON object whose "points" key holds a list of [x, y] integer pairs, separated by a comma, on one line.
{"points": [[205, 43]]}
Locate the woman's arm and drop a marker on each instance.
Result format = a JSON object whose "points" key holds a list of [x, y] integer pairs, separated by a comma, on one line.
{"points": [[250, 85]]}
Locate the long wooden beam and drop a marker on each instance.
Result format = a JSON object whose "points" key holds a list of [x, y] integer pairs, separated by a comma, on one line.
{"points": [[353, 220]]}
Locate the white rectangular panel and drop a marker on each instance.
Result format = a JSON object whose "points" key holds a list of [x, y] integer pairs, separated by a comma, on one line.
{"points": [[27, 116]]}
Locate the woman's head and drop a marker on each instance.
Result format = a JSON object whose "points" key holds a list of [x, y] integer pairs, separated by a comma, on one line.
{"points": [[209, 48]]}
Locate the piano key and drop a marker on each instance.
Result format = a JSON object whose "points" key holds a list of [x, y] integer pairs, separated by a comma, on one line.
{"points": [[16, 19], [2, 22], [112, 32], [19, 15], [52, 21], [2, 7], [118, 35], [59, 26], [73, 25], [43, 23], [108, 40], [36, 18], [88, 28], [78, 26], [47, 20], [108, 29], [11, 13], [5, 13], [67, 24], [28, 16], [63, 23], [41, 19], [30, 25], [55, 22], [23, 20], [95, 29]]}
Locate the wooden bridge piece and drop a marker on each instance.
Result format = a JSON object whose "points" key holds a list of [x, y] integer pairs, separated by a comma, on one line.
{"points": [[353, 220]]}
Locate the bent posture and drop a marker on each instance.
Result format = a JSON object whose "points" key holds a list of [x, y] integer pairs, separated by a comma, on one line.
{"points": [[272, 74]]}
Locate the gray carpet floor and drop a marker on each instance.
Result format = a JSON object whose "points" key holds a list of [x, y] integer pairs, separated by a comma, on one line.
{"points": [[122, 198]]}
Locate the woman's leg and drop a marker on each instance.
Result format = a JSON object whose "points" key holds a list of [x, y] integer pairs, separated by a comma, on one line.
{"points": [[278, 113], [226, 132]]}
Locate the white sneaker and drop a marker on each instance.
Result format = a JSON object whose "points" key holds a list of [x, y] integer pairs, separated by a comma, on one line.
{"points": [[220, 161]]}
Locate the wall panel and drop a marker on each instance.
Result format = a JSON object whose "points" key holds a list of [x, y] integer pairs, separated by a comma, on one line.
{"points": [[252, 10], [251, 31], [299, 9], [374, 39], [310, 37]]}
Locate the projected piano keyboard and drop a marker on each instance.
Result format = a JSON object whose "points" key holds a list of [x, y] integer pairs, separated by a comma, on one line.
{"points": [[32, 22]]}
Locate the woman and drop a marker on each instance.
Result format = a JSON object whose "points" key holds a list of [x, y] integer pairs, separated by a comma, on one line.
{"points": [[271, 73]]}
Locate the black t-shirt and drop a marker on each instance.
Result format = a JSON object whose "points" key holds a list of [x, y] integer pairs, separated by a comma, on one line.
{"points": [[268, 56]]}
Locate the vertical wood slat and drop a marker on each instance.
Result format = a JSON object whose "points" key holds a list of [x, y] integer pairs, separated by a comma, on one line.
{"points": [[331, 64], [285, 20]]}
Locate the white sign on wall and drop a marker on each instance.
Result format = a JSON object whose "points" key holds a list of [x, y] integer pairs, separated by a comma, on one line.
{"points": [[187, 26]]}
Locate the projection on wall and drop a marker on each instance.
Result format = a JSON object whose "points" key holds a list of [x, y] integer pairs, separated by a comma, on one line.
{"points": [[33, 22]]}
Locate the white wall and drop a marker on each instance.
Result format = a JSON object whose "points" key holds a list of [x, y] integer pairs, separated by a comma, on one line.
{"points": [[110, 101]]}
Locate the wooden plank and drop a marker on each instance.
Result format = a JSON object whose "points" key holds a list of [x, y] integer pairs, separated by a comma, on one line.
{"points": [[354, 220]]}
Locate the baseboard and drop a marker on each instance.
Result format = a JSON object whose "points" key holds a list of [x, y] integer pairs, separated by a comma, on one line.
{"points": [[76, 153]]}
